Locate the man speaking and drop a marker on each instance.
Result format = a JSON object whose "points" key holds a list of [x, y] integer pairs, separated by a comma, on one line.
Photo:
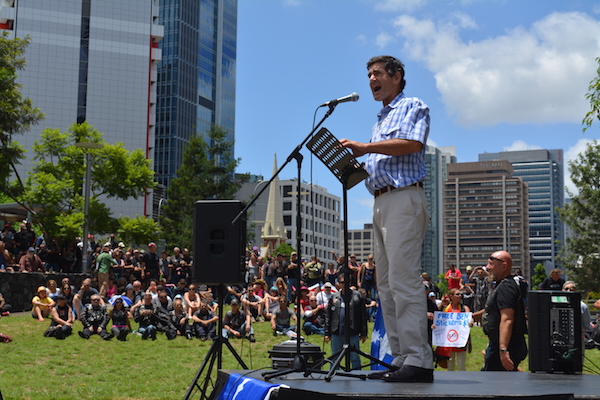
{"points": [[396, 165]]}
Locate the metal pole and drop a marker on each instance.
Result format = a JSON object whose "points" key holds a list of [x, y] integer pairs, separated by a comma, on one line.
{"points": [[86, 210]]}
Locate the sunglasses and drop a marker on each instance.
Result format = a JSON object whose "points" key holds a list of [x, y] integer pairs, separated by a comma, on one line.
{"points": [[495, 259]]}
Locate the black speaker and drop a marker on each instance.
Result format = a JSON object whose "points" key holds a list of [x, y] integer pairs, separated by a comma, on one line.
{"points": [[219, 245], [555, 342]]}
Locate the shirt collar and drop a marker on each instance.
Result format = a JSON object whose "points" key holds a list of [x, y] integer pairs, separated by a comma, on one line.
{"points": [[393, 104]]}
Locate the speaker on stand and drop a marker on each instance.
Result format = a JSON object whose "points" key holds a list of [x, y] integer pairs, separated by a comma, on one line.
{"points": [[219, 244]]}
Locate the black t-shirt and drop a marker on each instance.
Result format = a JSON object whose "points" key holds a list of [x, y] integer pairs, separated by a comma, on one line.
{"points": [[550, 284], [506, 294], [85, 296]]}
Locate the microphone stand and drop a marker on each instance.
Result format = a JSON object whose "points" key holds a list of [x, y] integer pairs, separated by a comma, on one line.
{"points": [[299, 363]]}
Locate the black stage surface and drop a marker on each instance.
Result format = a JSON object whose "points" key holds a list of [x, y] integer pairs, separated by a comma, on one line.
{"points": [[447, 385]]}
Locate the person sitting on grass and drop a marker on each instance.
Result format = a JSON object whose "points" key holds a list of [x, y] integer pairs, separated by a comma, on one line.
{"points": [[120, 320], [83, 297], [212, 303], [205, 321], [253, 304], [146, 316], [94, 319], [42, 304], [271, 303], [179, 319], [192, 299], [237, 323], [281, 321], [314, 318], [62, 319]]}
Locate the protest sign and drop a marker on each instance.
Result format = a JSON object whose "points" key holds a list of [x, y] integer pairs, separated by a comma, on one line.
{"points": [[451, 329]]}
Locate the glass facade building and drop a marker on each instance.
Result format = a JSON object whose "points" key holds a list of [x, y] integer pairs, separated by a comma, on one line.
{"points": [[437, 160], [93, 61], [196, 77], [543, 171]]}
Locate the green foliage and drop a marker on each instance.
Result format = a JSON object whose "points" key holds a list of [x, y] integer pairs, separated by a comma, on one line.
{"points": [[284, 248], [580, 254], [138, 230], [442, 283], [539, 274], [57, 179], [17, 113], [207, 172], [594, 97]]}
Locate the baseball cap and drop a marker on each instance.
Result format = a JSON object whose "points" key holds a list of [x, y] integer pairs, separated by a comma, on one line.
{"points": [[151, 244], [327, 284], [469, 268], [41, 289], [31, 249]]}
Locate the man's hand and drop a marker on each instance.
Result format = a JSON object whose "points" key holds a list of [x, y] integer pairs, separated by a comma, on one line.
{"points": [[236, 333], [507, 363], [358, 149], [326, 339], [363, 339]]}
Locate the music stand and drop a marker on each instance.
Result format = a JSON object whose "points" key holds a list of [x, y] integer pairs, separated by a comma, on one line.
{"points": [[349, 172]]}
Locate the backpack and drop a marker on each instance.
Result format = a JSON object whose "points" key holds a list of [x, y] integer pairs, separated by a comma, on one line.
{"points": [[313, 270]]}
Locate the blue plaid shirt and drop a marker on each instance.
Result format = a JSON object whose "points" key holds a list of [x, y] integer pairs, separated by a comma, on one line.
{"points": [[403, 118]]}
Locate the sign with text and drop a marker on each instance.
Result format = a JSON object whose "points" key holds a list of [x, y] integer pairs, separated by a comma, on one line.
{"points": [[451, 329]]}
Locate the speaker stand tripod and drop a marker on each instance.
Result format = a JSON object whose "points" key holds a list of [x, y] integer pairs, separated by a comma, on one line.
{"points": [[214, 354]]}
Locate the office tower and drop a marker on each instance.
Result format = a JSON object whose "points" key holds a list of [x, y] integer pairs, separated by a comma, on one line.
{"points": [[91, 61], [436, 159], [543, 171], [485, 210], [196, 77]]}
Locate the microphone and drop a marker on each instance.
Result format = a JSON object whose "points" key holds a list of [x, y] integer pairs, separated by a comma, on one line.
{"points": [[332, 103]]}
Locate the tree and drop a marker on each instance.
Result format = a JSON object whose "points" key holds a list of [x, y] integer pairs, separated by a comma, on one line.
{"points": [[538, 276], [56, 180], [594, 97], [17, 113], [582, 214], [206, 172], [284, 248]]}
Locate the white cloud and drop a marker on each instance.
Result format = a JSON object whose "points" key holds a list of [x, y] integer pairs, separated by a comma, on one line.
{"points": [[361, 40], [570, 155], [535, 75], [383, 39], [519, 145], [399, 5]]}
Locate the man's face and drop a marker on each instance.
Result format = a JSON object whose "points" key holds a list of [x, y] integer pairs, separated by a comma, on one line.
{"points": [[148, 299], [163, 298], [95, 301], [383, 86], [496, 266], [555, 277], [294, 256]]}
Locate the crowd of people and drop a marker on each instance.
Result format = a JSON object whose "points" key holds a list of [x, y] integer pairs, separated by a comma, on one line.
{"points": [[157, 293]]}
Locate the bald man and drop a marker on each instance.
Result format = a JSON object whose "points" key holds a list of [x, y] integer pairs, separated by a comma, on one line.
{"points": [[504, 318]]}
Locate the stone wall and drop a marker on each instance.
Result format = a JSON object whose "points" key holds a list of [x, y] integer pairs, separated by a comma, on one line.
{"points": [[19, 288]]}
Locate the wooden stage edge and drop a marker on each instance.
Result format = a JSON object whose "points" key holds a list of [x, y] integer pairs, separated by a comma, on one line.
{"points": [[446, 385]]}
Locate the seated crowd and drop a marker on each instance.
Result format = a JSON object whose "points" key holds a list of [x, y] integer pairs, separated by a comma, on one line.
{"points": [[156, 293]]}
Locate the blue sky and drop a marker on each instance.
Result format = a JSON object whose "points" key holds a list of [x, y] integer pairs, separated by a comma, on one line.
{"points": [[497, 75]]}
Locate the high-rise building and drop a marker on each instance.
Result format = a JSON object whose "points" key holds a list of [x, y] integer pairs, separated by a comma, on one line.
{"points": [[196, 77], [361, 242], [432, 255], [543, 171], [485, 210], [320, 218], [91, 61]]}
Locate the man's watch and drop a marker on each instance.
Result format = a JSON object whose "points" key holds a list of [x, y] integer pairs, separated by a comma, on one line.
{"points": [[504, 350]]}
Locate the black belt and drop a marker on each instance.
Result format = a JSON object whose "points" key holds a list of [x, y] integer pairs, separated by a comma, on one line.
{"points": [[389, 188]]}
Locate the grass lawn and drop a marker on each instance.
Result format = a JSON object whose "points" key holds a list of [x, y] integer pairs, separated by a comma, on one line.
{"points": [[36, 367]]}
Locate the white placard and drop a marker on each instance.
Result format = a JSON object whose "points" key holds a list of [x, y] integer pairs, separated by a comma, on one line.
{"points": [[451, 329]]}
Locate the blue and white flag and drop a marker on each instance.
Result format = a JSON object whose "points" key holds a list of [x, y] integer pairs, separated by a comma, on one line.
{"points": [[380, 346], [240, 387]]}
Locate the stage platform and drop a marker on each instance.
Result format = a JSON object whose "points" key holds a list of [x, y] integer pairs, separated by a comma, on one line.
{"points": [[447, 385]]}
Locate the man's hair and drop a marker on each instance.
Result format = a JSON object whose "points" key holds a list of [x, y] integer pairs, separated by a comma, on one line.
{"points": [[391, 65]]}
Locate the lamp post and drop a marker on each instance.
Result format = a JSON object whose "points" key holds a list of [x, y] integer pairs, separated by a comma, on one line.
{"points": [[86, 196]]}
